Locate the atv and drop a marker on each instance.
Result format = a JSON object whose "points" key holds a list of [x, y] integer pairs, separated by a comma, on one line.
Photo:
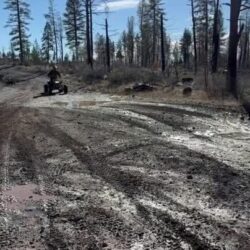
{"points": [[57, 85]]}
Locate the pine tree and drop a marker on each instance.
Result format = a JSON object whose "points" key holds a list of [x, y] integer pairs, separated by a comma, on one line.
{"points": [[74, 25], [112, 51], [47, 41], [119, 54], [18, 22], [60, 32], [194, 28], [12, 51], [100, 49], [137, 49], [130, 40], [108, 64], [244, 43], [203, 10], [36, 53], [186, 43], [51, 18], [124, 46], [150, 31], [66, 58], [236, 7]]}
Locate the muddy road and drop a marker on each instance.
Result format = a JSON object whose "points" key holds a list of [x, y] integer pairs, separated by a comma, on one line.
{"points": [[94, 171]]}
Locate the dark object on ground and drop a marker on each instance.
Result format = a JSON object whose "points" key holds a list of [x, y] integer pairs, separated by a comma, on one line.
{"points": [[142, 87], [187, 80], [246, 106], [10, 81], [187, 91], [49, 87]]}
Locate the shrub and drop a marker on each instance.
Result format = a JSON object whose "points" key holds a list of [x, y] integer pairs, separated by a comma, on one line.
{"points": [[92, 75], [126, 75]]}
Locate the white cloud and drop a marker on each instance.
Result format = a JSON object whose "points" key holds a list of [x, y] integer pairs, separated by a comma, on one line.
{"points": [[118, 5]]}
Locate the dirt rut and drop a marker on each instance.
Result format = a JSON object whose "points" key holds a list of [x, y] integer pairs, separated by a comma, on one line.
{"points": [[118, 175]]}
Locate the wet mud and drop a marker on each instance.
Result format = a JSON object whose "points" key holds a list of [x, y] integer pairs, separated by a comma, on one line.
{"points": [[91, 172]]}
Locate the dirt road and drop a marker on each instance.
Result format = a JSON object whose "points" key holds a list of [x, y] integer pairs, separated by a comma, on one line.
{"points": [[94, 171]]}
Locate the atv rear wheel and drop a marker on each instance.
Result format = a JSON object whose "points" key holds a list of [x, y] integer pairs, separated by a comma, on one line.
{"points": [[65, 89], [50, 89], [46, 89]]}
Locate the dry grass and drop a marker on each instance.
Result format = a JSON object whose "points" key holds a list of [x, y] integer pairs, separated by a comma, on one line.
{"points": [[127, 75], [244, 86]]}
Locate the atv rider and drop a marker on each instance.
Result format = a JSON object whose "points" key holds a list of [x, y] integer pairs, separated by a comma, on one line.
{"points": [[53, 75]]}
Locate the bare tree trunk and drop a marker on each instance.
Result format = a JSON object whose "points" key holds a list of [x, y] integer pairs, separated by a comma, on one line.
{"points": [[194, 37], [154, 34], [20, 33], [216, 38], [245, 44], [91, 28], [163, 60], [90, 62], [206, 46], [61, 44], [75, 34], [54, 32], [142, 33], [248, 50], [234, 38], [107, 46]]}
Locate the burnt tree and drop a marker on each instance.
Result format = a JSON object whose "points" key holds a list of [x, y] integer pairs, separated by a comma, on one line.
{"points": [[163, 60], [236, 6], [107, 46], [88, 36], [194, 36], [216, 38]]}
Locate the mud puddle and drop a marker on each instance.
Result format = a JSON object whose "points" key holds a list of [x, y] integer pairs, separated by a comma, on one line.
{"points": [[72, 101], [20, 196]]}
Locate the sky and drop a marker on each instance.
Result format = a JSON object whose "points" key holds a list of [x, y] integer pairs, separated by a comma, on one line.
{"points": [[178, 15]]}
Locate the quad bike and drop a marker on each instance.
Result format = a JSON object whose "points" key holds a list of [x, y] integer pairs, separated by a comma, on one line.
{"points": [[57, 85]]}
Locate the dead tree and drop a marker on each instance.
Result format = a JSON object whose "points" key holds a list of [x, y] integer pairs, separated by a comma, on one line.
{"points": [[88, 41], [163, 60], [51, 17], [194, 36], [244, 45], [216, 38], [236, 6], [206, 45], [107, 45], [60, 36], [154, 33], [91, 27]]}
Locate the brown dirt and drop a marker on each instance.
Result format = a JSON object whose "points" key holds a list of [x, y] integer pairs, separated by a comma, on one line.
{"points": [[91, 171]]}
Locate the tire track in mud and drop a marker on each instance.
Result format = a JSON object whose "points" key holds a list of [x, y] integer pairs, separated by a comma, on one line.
{"points": [[21, 231], [169, 232], [36, 172], [112, 178], [5, 238], [183, 129], [93, 166], [7, 124], [122, 182]]}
